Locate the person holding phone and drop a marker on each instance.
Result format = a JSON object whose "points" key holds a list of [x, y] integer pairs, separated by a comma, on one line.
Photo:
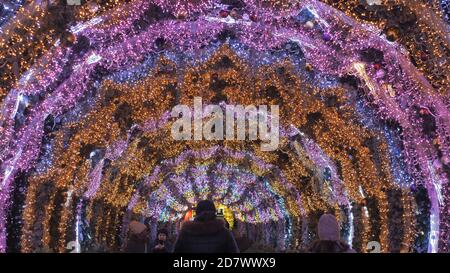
{"points": [[161, 244]]}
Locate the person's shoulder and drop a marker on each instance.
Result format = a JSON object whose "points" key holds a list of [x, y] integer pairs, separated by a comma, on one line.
{"points": [[188, 225], [226, 232]]}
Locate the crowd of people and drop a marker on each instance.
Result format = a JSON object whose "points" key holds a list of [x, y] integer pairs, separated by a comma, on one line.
{"points": [[209, 234]]}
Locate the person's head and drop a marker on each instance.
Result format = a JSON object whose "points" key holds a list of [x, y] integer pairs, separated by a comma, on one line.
{"points": [[328, 228], [138, 229], [206, 210], [162, 235], [329, 236]]}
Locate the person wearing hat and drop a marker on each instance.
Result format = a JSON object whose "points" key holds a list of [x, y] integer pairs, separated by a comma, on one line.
{"points": [[329, 237], [161, 244], [137, 238], [206, 234]]}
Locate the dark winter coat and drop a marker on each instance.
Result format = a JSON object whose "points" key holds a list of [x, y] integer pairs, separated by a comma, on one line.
{"points": [[321, 246], [209, 236], [136, 244], [168, 248]]}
